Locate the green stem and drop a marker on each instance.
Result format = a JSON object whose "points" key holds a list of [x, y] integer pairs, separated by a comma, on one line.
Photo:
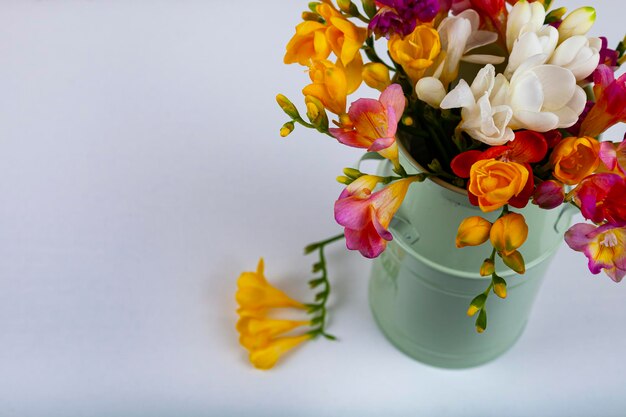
{"points": [[318, 308]]}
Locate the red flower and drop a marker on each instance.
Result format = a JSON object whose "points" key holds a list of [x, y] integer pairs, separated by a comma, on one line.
{"points": [[528, 147]]}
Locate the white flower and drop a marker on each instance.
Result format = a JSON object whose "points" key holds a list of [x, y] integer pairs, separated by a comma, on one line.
{"points": [[430, 90], [524, 18], [544, 97], [578, 54], [542, 42], [578, 22], [460, 35], [485, 116]]}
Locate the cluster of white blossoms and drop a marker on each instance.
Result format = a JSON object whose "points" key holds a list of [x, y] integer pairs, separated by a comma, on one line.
{"points": [[540, 87]]}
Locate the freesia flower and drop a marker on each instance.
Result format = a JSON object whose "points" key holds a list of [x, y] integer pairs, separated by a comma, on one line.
{"points": [[544, 97], [431, 91], [485, 115], [614, 156], [508, 233], [539, 45], [373, 123], [366, 214], [376, 75], [266, 357], [610, 107], [524, 18], [492, 12], [549, 195], [315, 41], [603, 197], [257, 333], [495, 183], [575, 158], [578, 54], [608, 57], [578, 22], [329, 85], [604, 247], [459, 36], [473, 231], [254, 292], [416, 52], [399, 17]]}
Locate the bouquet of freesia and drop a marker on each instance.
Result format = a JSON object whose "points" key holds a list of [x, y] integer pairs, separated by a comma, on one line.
{"points": [[506, 99]]}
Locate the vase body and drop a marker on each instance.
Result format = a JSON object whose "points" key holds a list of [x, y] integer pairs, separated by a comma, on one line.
{"points": [[422, 285]]}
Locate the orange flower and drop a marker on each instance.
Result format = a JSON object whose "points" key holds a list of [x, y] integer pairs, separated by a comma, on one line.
{"points": [[315, 40], [493, 183], [329, 85], [575, 158], [417, 51]]}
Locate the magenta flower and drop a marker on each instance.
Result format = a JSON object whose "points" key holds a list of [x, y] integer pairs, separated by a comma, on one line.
{"points": [[366, 215], [604, 247], [401, 16], [610, 107], [614, 157], [549, 195], [603, 197], [373, 123]]}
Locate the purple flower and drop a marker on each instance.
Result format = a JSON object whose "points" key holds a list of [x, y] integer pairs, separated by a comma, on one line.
{"points": [[401, 16]]}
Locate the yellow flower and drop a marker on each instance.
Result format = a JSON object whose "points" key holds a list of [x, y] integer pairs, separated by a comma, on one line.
{"points": [[266, 357], [473, 231], [508, 233], [376, 75], [329, 85], [416, 52], [495, 182], [256, 333], [315, 40], [254, 292]]}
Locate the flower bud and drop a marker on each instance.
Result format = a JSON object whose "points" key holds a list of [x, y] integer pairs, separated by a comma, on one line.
{"points": [[313, 17], [499, 286], [481, 321], [287, 106], [477, 304], [376, 75], [556, 15], [578, 22], [352, 173], [549, 194], [348, 7], [344, 180], [473, 231], [316, 112], [431, 91], [369, 6], [286, 129], [487, 268], [508, 233], [515, 261]]}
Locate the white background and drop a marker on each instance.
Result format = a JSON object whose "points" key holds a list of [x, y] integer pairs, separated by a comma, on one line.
{"points": [[141, 171]]}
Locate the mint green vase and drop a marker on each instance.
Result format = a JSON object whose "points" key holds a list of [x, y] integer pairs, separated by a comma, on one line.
{"points": [[422, 285]]}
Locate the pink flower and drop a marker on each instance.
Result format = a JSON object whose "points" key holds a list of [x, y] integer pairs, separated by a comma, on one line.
{"points": [[603, 197], [366, 215], [610, 107], [614, 156], [604, 247], [373, 123]]}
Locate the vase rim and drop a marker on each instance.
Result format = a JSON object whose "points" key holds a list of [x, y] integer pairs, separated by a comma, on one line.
{"points": [[420, 168]]}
